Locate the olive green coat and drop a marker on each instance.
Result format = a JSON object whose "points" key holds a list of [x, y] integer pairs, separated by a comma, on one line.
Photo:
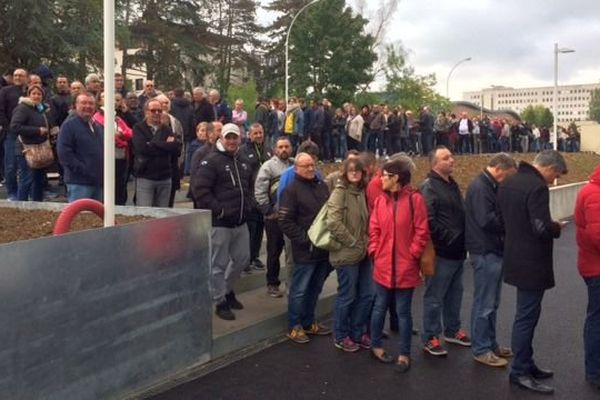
{"points": [[348, 221]]}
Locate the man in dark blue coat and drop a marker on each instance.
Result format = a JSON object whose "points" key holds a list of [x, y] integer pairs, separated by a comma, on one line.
{"points": [[523, 200], [484, 239]]}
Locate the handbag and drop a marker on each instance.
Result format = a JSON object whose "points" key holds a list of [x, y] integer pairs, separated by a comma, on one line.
{"points": [[427, 260], [319, 233], [38, 156]]}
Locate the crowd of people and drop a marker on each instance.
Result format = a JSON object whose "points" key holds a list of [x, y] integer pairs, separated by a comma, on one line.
{"points": [[262, 177]]}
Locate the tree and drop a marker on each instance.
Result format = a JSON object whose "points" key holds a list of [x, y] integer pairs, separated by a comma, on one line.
{"points": [[538, 115], [330, 53], [595, 105], [407, 88]]}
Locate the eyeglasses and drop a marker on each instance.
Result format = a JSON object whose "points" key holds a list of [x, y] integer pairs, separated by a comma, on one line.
{"points": [[155, 110], [387, 174]]}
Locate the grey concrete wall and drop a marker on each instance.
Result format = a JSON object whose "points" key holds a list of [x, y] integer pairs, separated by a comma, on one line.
{"points": [[101, 313], [562, 200]]}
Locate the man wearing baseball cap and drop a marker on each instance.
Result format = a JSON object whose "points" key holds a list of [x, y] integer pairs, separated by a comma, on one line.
{"points": [[221, 183]]}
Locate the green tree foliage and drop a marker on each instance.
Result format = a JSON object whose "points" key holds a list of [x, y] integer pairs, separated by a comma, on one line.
{"points": [[63, 34], [595, 105], [246, 92], [330, 53], [407, 88], [538, 115]]}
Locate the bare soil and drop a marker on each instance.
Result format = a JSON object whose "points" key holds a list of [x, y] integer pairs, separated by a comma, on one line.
{"points": [[16, 224]]}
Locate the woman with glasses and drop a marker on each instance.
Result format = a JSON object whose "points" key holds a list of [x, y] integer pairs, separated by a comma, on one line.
{"points": [[398, 233], [347, 220]]}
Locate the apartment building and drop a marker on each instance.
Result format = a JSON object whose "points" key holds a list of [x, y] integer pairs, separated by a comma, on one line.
{"points": [[573, 103]]}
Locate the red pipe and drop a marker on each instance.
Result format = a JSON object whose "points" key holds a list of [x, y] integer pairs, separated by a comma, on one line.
{"points": [[63, 222]]}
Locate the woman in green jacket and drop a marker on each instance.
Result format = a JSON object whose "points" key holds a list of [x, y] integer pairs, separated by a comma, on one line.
{"points": [[348, 220]]}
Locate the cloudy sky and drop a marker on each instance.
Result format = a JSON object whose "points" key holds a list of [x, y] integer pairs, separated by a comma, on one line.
{"points": [[511, 42]]}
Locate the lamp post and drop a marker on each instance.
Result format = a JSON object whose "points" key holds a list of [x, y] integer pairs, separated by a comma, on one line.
{"points": [[555, 100], [450, 74], [287, 49]]}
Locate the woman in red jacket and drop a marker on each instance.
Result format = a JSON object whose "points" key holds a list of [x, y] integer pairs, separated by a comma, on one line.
{"points": [[398, 233], [587, 219]]}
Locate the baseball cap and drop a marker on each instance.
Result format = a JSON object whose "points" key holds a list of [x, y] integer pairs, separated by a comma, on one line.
{"points": [[230, 128]]}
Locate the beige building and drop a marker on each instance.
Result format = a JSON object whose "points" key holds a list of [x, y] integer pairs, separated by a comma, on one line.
{"points": [[573, 100]]}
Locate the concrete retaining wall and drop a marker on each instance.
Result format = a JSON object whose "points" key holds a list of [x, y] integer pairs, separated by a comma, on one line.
{"points": [[562, 200], [101, 313]]}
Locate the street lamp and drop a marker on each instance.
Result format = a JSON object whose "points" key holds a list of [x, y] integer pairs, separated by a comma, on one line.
{"points": [[450, 74], [287, 50], [555, 101]]}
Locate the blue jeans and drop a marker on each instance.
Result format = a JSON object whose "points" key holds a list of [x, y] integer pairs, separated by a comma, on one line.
{"points": [[443, 297], [10, 166], [31, 181], [354, 300], [591, 330], [529, 308], [76, 192], [307, 284], [487, 278], [403, 300]]}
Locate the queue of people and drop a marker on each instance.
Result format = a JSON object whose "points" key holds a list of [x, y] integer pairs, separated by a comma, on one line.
{"points": [[379, 221]]}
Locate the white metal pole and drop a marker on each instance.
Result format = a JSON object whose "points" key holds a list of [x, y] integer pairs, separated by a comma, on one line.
{"points": [[287, 50], [109, 112], [555, 99], [450, 74]]}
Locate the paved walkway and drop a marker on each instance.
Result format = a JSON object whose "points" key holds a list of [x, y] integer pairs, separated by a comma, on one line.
{"points": [[319, 371]]}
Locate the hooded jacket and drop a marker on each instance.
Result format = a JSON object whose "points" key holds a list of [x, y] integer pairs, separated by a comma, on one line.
{"points": [[398, 234], [587, 220], [221, 183]]}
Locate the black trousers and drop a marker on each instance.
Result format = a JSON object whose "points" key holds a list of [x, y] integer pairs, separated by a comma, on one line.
{"points": [[255, 227], [275, 244]]}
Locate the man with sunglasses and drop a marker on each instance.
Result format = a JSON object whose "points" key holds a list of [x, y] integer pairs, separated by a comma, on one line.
{"points": [[154, 144]]}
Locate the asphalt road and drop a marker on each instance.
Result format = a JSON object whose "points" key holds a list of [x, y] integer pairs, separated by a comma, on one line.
{"points": [[319, 371]]}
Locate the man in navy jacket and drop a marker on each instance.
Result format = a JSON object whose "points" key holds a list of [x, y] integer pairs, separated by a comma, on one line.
{"points": [[484, 239]]}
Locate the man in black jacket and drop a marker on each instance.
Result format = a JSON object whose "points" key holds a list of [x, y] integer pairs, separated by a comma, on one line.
{"points": [[444, 290], [485, 243], [300, 203], [530, 231], [203, 110], [221, 183], [9, 98], [181, 108], [154, 146], [256, 154]]}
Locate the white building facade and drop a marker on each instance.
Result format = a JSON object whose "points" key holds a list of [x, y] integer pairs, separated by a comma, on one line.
{"points": [[573, 100]]}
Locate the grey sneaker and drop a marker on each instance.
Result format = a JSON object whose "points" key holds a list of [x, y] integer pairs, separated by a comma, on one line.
{"points": [[274, 291], [490, 359]]}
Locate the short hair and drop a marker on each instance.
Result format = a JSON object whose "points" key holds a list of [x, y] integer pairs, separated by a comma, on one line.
{"points": [[38, 87], [405, 158], [300, 155], [254, 126], [91, 78], [356, 162], [214, 92], [552, 159], [503, 161], [367, 158], [309, 147], [400, 167], [352, 152], [178, 92], [280, 138], [432, 158], [84, 93], [118, 75], [152, 100]]}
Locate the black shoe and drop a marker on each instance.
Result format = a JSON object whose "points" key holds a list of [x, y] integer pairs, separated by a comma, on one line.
{"points": [[539, 373], [223, 311], [233, 302], [402, 367], [258, 265], [529, 383]]}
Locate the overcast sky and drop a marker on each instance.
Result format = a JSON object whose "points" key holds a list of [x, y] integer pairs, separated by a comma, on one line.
{"points": [[511, 42]]}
